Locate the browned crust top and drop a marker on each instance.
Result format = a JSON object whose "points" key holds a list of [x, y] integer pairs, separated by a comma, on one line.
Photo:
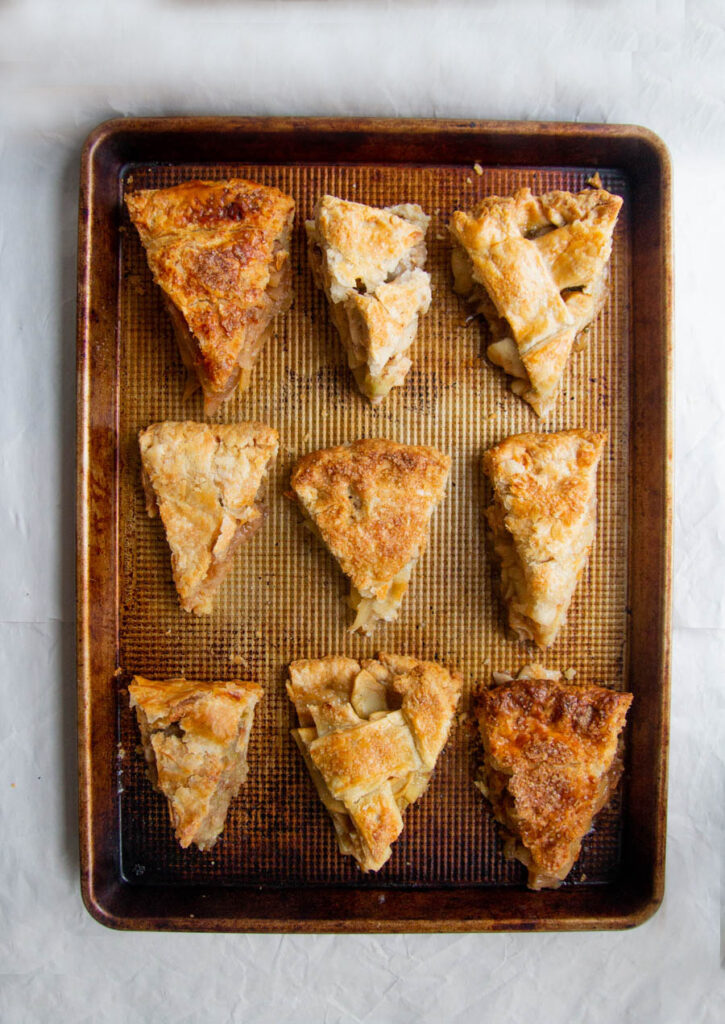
{"points": [[551, 761], [545, 474], [372, 501], [212, 246]]}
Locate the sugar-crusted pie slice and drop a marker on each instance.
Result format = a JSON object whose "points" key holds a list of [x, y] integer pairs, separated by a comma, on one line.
{"points": [[542, 522], [536, 268], [370, 734], [195, 738], [369, 262], [552, 761], [371, 503], [206, 483], [219, 250]]}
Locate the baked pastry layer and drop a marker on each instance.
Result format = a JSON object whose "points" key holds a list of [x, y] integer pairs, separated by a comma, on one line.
{"points": [[371, 503], [370, 733], [206, 484], [542, 522], [551, 762], [220, 252], [195, 738], [369, 262], [535, 267]]}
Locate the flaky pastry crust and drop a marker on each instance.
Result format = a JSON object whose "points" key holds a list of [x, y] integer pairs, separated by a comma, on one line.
{"points": [[369, 262], [205, 482], [535, 266], [220, 252], [371, 503], [551, 762], [542, 522], [195, 738], [370, 733]]}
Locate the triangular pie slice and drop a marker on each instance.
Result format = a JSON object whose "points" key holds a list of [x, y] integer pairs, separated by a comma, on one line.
{"points": [[542, 519], [551, 761], [206, 483], [370, 734], [371, 503], [369, 262], [220, 252], [195, 738], [536, 268]]}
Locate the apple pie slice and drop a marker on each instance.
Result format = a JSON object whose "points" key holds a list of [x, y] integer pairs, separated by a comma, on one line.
{"points": [[206, 484], [220, 252], [552, 760], [369, 262], [536, 268], [195, 738], [371, 502], [370, 734], [542, 521]]}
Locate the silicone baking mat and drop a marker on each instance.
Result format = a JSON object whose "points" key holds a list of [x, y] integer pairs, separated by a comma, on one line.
{"points": [[285, 598]]}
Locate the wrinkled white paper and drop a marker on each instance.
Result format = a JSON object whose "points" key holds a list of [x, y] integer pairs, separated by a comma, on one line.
{"points": [[63, 69]]}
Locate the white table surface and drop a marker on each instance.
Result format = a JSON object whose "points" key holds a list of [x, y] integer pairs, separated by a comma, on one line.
{"points": [[65, 67]]}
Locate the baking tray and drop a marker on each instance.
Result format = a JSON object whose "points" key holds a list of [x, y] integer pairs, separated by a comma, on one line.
{"points": [[276, 867]]}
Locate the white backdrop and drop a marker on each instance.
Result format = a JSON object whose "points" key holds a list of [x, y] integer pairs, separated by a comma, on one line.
{"points": [[66, 67]]}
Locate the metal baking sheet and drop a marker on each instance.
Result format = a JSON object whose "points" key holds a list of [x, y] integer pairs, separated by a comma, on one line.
{"points": [[285, 596]]}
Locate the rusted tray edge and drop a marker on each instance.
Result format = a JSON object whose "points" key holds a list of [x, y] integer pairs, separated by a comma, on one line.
{"points": [[94, 456]]}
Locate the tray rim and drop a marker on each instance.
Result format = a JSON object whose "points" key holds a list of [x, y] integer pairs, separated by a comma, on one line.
{"points": [[370, 910]]}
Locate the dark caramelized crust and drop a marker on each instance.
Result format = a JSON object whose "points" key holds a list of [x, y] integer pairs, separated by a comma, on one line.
{"points": [[220, 252], [551, 763]]}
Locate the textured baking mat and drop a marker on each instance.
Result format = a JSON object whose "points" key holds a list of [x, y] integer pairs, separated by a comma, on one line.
{"points": [[284, 597]]}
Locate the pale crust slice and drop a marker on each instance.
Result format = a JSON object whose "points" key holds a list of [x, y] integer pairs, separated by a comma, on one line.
{"points": [[369, 262], [220, 252], [542, 521], [551, 762], [370, 734], [195, 738], [371, 503], [206, 484], [535, 267]]}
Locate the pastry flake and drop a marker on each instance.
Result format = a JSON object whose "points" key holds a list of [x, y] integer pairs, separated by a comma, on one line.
{"points": [[371, 503], [369, 262], [206, 484], [219, 250], [536, 268], [551, 762], [542, 522], [370, 733], [195, 738]]}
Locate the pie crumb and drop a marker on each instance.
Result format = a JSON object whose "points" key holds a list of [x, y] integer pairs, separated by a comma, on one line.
{"points": [[595, 181], [478, 169], [469, 181], [569, 673]]}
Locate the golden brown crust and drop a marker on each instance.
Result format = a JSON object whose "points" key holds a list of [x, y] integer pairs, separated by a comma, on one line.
{"points": [[371, 502], [195, 737], [220, 252], [371, 734], [551, 763], [536, 268], [542, 522], [205, 483], [369, 263]]}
